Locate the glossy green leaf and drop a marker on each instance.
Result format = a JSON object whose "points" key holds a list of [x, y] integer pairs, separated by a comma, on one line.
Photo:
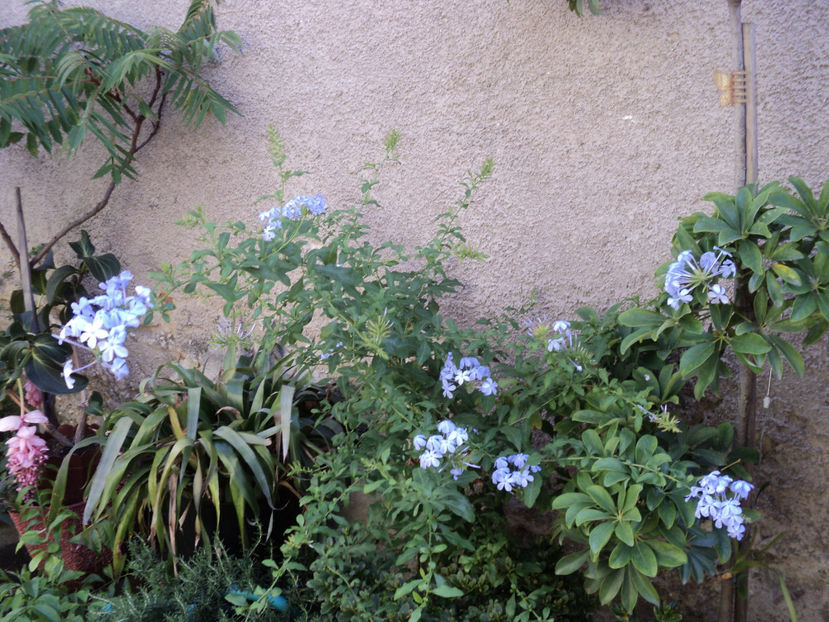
{"points": [[620, 555], [624, 531], [750, 343], [572, 562], [447, 591], [602, 498], [668, 555], [695, 356], [644, 559], [600, 535], [610, 586]]}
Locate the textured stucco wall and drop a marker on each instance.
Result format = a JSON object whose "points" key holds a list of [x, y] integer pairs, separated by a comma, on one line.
{"points": [[604, 130]]}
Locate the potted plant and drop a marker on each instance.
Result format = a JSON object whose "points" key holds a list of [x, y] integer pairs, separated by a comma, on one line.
{"points": [[190, 452], [98, 325], [65, 75]]}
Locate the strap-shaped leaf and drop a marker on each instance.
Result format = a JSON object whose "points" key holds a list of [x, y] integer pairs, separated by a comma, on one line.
{"points": [[286, 406], [246, 453], [112, 448]]}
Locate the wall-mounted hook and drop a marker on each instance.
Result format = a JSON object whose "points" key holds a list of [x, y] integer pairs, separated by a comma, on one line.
{"points": [[732, 87]]}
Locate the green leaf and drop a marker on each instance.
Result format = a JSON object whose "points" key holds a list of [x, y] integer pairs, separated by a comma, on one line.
{"points": [[244, 450], [592, 442], [567, 499], [406, 588], [572, 562], [610, 586], [602, 498], [787, 274], [637, 317], [668, 555], [56, 279], [695, 356], [644, 559], [750, 255], [620, 556], [111, 451], [83, 248], [624, 531], [590, 514], [447, 591], [600, 535], [45, 367], [103, 267], [750, 343]]}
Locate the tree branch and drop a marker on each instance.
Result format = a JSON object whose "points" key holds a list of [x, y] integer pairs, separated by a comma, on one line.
{"points": [[101, 205], [12, 248], [135, 146]]}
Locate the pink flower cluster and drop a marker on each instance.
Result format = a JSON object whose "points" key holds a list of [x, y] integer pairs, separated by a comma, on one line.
{"points": [[27, 451]]}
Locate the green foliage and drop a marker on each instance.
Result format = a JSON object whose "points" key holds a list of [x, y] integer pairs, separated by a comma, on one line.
{"points": [[27, 597], [598, 414], [778, 242], [198, 591], [72, 72], [189, 448], [33, 351], [617, 472], [578, 6]]}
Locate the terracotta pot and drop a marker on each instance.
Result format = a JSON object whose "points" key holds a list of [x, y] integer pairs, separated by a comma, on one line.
{"points": [[75, 556]]}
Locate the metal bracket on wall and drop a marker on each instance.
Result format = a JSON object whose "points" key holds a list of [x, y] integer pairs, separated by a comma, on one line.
{"points": [[732, 87]]}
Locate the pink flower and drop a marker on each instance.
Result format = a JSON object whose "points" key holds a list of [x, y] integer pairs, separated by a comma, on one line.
{"points": [[33, 395], [15, 422], [27, 451]]}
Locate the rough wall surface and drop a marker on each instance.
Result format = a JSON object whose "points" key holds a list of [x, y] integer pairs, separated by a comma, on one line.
{"points": [[604, 130]]}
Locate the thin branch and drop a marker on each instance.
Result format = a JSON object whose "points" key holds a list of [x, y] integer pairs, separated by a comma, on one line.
{"points": [[60, 438], [134, 148], [12, 248], [101, 205], [156, 124], [25, 265]]}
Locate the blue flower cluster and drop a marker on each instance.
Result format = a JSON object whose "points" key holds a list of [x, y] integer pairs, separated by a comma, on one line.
{"points": [[292, 210], [719, 499], [450, 445], [685, 274], [100, 325], [513, 472], [566, 339], [469, 371]]}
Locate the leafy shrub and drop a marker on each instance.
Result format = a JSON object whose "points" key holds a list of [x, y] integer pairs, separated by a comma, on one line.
{"points": [[579, 417], [198, 591]]}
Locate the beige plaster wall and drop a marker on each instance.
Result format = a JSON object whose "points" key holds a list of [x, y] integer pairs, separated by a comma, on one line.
{"points": [[604, 131]]}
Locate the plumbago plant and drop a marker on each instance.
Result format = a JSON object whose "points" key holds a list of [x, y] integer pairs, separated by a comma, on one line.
{"points": [[445, 430], [775, 247]]}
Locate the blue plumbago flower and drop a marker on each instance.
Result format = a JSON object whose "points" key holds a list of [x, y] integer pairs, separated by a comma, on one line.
{"points": [[715, 502], [512, 472], [537, 327], [686, 274], [449, 445], [325, 355], [567, 340], [292, 210], [100, 325], [469, 371]]}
